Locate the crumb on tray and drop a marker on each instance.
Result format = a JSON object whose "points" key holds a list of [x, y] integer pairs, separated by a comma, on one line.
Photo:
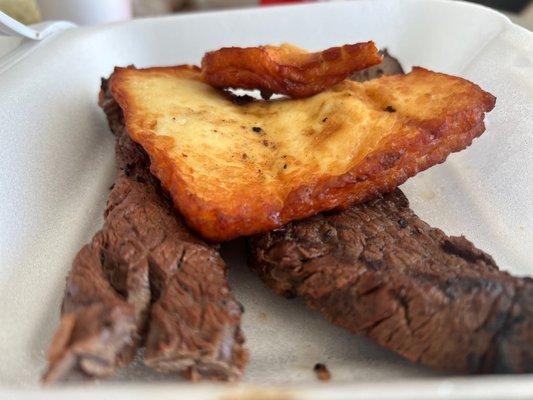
{"points": [[322, 372]]}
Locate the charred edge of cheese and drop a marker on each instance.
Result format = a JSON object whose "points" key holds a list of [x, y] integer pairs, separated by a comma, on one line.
{"points": [[240, 169]]}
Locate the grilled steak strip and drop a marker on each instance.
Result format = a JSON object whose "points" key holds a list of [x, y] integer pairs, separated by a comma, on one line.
{"points": [[379, 270], [194, 321], [145, 275]]}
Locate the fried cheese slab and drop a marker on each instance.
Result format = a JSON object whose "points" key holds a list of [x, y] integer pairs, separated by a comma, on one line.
{"points": [[238, 169], [286, 69]]}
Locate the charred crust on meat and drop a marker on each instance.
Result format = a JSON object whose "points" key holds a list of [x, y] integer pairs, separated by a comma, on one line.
{"points": [[408, 286], [129, 168]]}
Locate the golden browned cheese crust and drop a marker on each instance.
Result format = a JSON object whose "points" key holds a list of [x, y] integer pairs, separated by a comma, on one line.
{"points": [[286, 69], [235, 170]]}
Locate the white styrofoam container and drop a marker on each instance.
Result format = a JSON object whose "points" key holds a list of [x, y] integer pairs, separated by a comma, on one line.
{"points": [[57, 161]]}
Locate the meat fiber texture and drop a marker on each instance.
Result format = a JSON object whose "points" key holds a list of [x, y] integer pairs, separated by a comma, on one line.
{"points": [[145, 279], [378, 270]]}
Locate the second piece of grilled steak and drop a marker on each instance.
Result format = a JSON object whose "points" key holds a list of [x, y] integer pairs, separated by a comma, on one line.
{"points": [[379, 270]]}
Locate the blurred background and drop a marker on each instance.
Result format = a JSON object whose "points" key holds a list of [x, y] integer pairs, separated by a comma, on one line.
{"points": [[89, 12]]}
